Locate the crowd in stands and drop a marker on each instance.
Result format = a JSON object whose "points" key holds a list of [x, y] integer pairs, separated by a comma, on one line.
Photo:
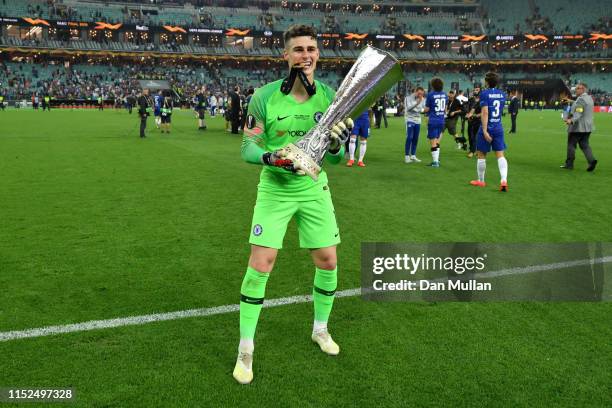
{"points": [[19, 81], [81, 81], [74, 79], [545, 17], [487, 16], [536, 16]]}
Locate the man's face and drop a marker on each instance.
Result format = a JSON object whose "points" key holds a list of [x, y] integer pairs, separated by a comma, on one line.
{"points": [[451, 96], [476, 91], [302, 51], [145, 92], [580, 89], [419, 93]]}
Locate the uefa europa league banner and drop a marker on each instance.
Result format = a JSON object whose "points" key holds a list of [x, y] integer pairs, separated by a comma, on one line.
{"points": [[373, 74]]}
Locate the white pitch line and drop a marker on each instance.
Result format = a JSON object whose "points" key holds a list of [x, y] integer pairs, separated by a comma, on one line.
{"points": [[157, 317], [292, 300]]}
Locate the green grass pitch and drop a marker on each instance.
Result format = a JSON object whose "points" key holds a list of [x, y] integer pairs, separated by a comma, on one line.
{"points": [[96, 224]]}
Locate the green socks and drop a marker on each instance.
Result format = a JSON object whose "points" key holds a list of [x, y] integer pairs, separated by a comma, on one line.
{"points": [[252, 294], [253, 291], [325, 283]]}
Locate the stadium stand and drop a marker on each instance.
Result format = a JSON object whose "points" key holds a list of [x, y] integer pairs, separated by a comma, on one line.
{"points": [[501, 17], [562, 16], [189, 60]]}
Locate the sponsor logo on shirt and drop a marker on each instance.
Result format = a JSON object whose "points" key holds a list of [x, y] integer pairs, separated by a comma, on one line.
{"points": [[292, 133]]}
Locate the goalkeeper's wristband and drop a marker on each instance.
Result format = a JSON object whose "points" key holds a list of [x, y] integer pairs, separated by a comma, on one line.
{"points": [[265, 158], [335, 151]]}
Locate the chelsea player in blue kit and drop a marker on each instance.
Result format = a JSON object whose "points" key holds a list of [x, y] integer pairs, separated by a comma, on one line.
{"points": [[435, 107], [490, 136], [361, 129], [158, 101]]}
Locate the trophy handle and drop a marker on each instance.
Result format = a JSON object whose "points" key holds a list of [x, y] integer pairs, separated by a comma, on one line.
{"points": [[303, 161]]}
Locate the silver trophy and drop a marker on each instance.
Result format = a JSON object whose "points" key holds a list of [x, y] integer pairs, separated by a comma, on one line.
{"points": [[374, 72]]}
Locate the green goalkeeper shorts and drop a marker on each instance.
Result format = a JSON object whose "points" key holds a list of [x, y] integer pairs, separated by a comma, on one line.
{"points": [[316, 222]]}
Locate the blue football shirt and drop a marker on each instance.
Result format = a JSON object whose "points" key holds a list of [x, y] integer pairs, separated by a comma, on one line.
{"points": [[495, 100], [436, 102]]}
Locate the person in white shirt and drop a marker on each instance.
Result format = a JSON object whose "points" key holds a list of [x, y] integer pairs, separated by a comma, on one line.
{"points": [[414, 105], [213, 105], [464, 100]]}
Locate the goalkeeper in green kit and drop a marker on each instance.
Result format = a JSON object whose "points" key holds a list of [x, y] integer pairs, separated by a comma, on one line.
{"points": [[281, 113]]}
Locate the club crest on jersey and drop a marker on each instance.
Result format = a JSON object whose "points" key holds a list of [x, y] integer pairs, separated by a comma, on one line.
{"points": [[257, 230], [317, 116], [250, 122]]}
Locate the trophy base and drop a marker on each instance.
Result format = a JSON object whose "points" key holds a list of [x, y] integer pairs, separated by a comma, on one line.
{"points": [[302, 161]]}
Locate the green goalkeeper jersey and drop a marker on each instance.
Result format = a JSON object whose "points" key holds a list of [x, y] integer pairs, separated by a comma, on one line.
{"points": [[273, 121]]}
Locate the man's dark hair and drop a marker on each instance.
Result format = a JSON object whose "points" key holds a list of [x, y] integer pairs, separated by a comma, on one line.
{"points": [[437, 84], [451, 92], [299, 30], [419, 88], [491, 79]]}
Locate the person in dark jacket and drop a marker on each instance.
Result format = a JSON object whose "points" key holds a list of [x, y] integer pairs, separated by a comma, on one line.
{"points": [[380, 112], [200, 107], [513, 109], [454, 109], [165, 112], [234, 109], [144, 110], [473, 117]]}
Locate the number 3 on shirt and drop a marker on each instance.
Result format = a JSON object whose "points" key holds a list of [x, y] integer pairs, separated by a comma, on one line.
{"points": [[496, 106]]}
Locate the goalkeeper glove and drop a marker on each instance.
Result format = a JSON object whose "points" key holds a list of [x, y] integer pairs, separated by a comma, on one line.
{"points": [[339, 134], [278, 158]]}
